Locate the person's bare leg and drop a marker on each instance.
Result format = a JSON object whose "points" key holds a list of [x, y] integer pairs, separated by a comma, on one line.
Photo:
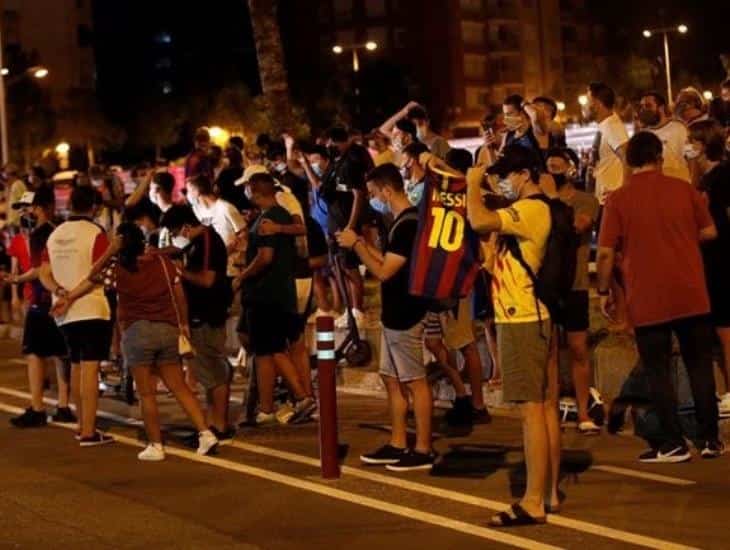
{"points": [[423, 411], [581, 371], [300, 358], [552, 422], [438, 349], [266, 377], [36, 377], [191, 379], [218, 406], [398, 408], [89, 397], [62, 381], [473, 365], [285, 367], [723, 333], [536, 457], [172, 376], [490, 334], [356, 288], [320, 292], [147, 390]]}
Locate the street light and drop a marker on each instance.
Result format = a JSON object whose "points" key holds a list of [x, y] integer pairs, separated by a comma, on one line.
{"points": [[63, 148], [5, 71], [371, 46], [707, 94], [560, 105], [648, 33], [40, 72], [337, 49], [583, 100]]}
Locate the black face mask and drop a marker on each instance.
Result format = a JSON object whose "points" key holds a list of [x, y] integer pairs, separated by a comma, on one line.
{"points": [[28, 221], [649, 118]]}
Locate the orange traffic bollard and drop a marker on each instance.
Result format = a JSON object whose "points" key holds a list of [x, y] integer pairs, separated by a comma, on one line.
{"points": [[326, 366]]}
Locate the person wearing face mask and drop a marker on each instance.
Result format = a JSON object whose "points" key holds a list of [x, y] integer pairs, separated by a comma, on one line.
{"points": [[198, 162], [518, 124], [281, 168], [525, 338], [414, 174], [401, 363], [690, 106], [209, 295], [434, 142], [707, 138], [43, 342], [576, 322], [654, 117]]}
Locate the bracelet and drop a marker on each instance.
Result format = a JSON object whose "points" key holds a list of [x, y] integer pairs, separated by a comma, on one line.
{"points": [[604, 292]]}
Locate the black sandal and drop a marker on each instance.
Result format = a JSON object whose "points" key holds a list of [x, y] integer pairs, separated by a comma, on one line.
{"points": [[521, 517]]}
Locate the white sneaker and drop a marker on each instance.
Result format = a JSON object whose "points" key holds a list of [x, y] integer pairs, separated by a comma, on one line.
{"points": [[589, 428], [359, 316], [724, 406], [154, 452], [266, 419], [284, 414], [207, 442]]}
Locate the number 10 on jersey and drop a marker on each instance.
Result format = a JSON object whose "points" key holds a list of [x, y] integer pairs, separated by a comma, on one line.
{"points": [[447, 231]]}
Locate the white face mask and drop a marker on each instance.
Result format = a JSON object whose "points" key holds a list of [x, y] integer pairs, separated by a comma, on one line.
{"points": [[421, 132], [180, 242], [691, 151], [506, 189], [316, 168], [153, 198], [247, 191], [280, 167]]}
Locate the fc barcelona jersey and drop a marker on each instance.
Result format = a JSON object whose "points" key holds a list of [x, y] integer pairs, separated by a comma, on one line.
{"points": [[446, 250]]}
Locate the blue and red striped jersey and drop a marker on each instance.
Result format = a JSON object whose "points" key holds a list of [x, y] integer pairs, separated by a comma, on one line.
{"points": [[446, 251]]}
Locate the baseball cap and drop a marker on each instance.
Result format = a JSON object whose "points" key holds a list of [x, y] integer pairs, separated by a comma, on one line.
{"points": [[42, 197], [515, 158], [250, 171]]}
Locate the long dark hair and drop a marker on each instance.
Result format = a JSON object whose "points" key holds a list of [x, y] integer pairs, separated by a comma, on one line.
{"points": [[133, 245]]}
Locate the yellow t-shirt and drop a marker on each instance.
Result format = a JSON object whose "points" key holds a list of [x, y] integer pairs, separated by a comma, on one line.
{"points": [[512, 289], [383, 158]]}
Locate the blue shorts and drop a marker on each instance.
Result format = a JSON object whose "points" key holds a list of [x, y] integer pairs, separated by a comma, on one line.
{"points": [[401, 353], [150, 343]]}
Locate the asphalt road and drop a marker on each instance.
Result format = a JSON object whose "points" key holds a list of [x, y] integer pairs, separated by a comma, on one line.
{"points": [[266, 490]]}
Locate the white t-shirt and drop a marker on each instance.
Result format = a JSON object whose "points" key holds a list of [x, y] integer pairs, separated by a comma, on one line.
{"points": [[72, 249], [673, 135], [223, 217], [609, 170]]}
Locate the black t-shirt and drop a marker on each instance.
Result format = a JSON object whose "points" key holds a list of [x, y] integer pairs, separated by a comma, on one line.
{"points": [[275, 285], [344, 176], [716, 183], [37, 243], [207, 252], [300, 188], [401, 310], [229, 191], [316, 240]]}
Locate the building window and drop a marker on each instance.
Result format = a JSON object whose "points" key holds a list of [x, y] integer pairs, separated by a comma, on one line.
{"points": [[476, 97], [375, 8], [163, 37], [379, 35], [475, 66], [163, 63], [343, 10], [472, 33]]}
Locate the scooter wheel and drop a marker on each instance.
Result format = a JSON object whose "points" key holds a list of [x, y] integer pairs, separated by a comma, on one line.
{"points": [[359, 354]]}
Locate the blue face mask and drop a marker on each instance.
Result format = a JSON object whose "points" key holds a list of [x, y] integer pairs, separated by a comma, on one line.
{"points": [[317, 169], [415, 192], [506, 189], [379, 206]]}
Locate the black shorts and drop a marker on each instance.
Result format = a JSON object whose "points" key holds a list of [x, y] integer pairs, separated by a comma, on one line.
{"points": [[483, 301], [88, 340], [719, 301], [42, 336], [577, 315], [270, 330]]}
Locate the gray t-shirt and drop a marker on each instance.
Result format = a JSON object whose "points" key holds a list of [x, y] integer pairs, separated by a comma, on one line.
{"points": [[585, 204]]}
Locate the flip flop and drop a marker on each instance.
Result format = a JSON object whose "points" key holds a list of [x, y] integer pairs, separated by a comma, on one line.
{"points": [[521, 517]]}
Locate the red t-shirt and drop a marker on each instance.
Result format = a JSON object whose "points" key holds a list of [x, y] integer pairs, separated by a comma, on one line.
{"points": [[655, 222], [19, 249]]}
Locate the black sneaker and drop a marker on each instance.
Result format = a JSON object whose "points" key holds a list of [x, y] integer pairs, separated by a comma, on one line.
{"points": [[387, 454], [667, 455], [481, 416], [713, 449], [413, 460], [225, 437], [64, 416], [30, 419], [461, 413], [95, 440]]}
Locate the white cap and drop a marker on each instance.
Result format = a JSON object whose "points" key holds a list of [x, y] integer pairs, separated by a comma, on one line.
{"points": [[251, 171], [25, 200]]}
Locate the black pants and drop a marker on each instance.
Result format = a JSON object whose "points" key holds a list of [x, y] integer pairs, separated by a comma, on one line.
{"points": [[695, 337]]}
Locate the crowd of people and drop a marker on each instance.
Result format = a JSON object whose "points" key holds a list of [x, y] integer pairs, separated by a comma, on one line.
{"points": [[151, 274]]}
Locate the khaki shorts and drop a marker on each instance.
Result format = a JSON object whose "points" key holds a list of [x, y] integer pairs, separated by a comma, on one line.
{"points": [[456, 330], [524, 352]]}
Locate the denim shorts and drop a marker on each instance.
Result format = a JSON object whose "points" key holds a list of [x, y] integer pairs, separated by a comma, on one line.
{"points": [[210, 364], [150, 343], [401, 353]]}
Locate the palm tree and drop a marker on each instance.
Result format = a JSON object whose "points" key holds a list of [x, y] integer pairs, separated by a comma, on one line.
{"points": [[270, 54]]}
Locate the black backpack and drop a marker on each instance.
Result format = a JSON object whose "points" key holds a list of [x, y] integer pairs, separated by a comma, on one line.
{"points": [[554, 281]]}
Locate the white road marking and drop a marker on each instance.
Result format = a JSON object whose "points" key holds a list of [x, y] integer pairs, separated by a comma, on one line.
{"points": [[338, 494], [446, 494], [644, 475]]}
